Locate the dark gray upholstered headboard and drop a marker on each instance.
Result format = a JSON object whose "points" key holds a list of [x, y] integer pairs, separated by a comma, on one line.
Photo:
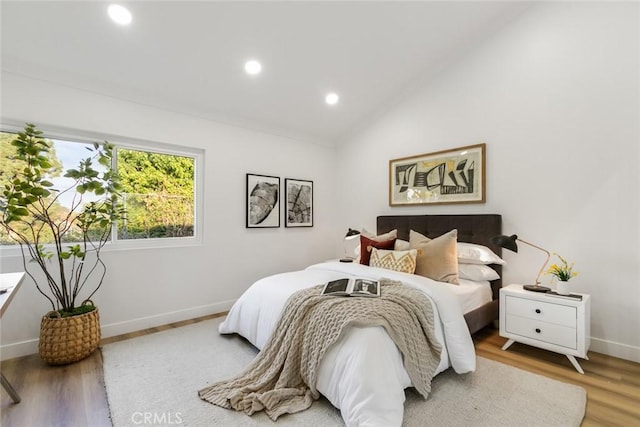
{"points": [[471, 228]]}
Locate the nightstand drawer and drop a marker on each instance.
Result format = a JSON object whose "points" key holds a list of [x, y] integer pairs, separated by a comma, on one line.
{"points": [[542, 331], [543, 311]]}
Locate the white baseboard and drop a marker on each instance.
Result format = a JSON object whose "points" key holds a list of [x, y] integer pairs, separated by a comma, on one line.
{"points": [[134, 325], [24, 348], [610, 348]]}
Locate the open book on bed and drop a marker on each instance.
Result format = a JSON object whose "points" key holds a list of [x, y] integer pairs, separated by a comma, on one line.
{"points": [[352, 287]]}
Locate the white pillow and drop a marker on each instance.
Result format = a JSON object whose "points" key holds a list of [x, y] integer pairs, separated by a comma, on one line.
{"points": [[402, 245], [381, 237], [470, 253], [477, 272]]}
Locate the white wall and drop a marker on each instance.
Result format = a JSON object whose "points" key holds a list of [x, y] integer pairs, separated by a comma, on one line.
{"points": [[556, 97], [156, 286]]}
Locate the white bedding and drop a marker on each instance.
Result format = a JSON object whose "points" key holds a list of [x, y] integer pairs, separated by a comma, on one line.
{"points": [[345, 375], [471, 294]]}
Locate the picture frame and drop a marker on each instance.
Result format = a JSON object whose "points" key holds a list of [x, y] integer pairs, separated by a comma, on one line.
{"points": [[263, 201], [298, 203], [442, 177]]}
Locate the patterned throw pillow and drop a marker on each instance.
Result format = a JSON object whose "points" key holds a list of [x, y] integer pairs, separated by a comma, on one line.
{"points": [[366, 245], [404, 261]]}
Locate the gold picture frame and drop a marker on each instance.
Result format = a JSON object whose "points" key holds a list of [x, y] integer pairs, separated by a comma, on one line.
{"points": [[442, 177]]}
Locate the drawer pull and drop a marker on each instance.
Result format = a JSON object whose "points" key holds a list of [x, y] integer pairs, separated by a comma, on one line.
{"points": [[538, 330], [538, 311]]}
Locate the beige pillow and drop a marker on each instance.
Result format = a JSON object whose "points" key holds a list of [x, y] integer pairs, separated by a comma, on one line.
{"points": [[404, 261], [437, 258]]}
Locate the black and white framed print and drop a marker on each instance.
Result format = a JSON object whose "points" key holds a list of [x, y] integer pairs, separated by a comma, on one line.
{"points": [[299, 203], [263, 201]]}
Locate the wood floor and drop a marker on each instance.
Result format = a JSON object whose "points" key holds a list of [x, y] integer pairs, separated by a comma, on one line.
{"points": [[613, 385], [74, 395]]}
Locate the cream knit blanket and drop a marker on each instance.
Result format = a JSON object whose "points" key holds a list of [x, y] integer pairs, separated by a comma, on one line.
{"points": [[282, 377]]}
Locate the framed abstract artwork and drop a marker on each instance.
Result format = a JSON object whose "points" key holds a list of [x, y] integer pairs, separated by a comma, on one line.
{"points": [[299, 203], [263, 201], [449, 176]]}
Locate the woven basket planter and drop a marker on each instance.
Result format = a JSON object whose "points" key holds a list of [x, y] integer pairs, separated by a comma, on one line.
{"points": [[66, 340]]}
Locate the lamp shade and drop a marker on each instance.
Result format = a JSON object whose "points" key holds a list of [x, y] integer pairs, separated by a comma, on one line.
{"points": [[507, 242], [351, 233]]}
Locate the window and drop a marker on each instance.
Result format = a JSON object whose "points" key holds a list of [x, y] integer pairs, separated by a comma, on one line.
{"points": [[157, 194], [158, 187]]}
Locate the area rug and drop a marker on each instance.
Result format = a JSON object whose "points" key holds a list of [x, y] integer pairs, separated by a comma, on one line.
{"points": [[154, 380]]}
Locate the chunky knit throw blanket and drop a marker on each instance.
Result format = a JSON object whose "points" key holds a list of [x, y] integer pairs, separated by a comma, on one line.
{"points": [[282, 377]]}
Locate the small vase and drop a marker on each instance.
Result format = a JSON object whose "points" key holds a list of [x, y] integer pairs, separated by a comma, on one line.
{"points": [[563, 287]]}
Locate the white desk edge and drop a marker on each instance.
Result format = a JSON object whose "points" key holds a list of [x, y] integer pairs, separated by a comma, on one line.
{"points": [[10, 281]]}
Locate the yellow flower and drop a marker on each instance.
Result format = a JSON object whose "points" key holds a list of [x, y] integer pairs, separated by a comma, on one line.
{"points": [[564, 271]]}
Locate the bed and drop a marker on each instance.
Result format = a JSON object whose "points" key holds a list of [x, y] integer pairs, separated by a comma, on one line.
{"points": [[476, 229], [344, 375]]}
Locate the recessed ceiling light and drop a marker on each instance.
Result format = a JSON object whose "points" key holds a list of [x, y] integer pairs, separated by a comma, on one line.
{"points": [[252, 67], [119, 14], [332, 98]]}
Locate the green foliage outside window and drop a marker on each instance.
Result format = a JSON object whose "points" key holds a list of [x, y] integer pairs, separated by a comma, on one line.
{"points": [[157, 193]]}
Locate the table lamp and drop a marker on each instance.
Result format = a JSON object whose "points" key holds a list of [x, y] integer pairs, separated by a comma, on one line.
{"points": [[509, 242], [351, 234]]}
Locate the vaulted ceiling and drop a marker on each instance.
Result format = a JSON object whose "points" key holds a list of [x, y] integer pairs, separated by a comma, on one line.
{"points": [[188, 57]]}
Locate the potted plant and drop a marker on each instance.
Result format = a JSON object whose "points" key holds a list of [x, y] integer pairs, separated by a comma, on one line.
{"points": [[563, 272], [63, 242]]}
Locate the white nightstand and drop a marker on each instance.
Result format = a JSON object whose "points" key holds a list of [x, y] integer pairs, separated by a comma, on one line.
{"points": [[554, 323]]}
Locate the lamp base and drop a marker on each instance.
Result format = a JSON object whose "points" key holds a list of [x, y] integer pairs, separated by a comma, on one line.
{"points": [[536, 288]]}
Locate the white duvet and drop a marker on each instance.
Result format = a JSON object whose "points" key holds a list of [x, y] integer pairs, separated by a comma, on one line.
{"points": [[362, 374]]}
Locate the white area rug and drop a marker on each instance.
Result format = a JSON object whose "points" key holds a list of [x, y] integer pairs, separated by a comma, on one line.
{"points": [[154, 380]]}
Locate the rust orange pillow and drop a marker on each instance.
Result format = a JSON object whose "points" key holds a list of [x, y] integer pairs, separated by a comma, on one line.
{"points": [[366, 244]]}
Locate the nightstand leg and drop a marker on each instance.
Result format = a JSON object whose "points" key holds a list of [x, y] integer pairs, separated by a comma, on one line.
{"points": [[575, 363], [507, 344]]}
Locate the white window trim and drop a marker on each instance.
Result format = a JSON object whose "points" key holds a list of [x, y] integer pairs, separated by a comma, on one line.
{"points": [[73, 135]]}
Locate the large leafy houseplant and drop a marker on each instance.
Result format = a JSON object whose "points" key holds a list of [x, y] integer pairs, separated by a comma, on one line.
{"points": [[64, 242]]}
